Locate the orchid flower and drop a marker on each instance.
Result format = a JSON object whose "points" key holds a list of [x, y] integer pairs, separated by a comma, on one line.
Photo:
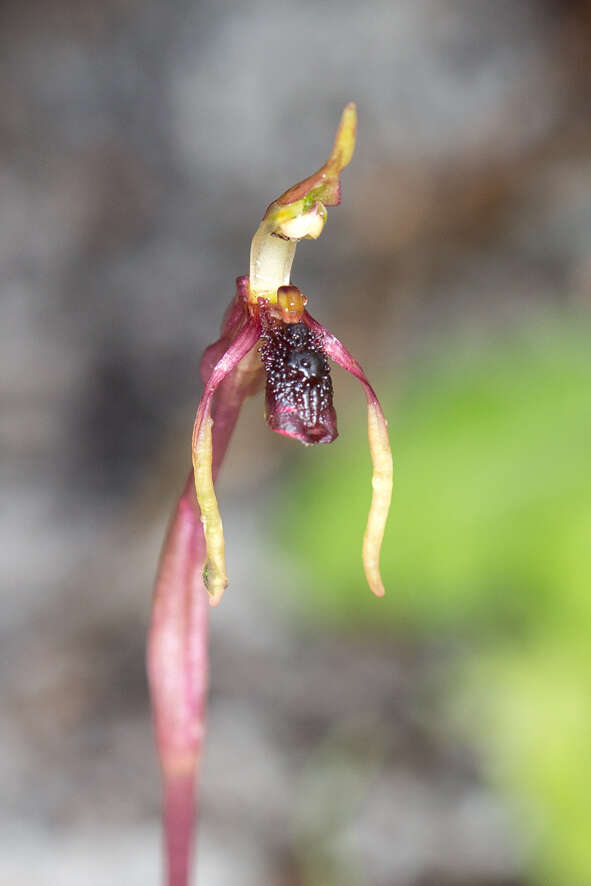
{"points": [[267, 338]]}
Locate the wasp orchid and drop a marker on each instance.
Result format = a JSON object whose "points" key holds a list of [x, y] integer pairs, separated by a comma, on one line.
{"points": [[267, 338]]}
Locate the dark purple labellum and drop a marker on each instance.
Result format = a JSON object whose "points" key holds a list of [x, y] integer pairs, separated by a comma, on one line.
{"points": [[299, 388]]}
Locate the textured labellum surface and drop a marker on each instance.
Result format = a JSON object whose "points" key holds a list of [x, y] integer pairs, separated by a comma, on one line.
{"points": [[299, 388]]}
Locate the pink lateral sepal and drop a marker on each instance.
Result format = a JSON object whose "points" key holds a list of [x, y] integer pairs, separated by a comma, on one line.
{"points": [[214, 572], [339, 354], [235, 317], [243, 342], [381, 456]]}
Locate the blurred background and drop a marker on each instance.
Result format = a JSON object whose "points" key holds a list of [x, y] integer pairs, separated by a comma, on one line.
{"points": [[438, 737]]}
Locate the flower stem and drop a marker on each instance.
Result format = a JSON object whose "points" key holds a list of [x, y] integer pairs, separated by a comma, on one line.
{"points": [[179, 816], [177, 660]]}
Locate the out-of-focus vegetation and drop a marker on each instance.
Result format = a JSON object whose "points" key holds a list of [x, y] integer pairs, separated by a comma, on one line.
{"points": [[489, 542]]}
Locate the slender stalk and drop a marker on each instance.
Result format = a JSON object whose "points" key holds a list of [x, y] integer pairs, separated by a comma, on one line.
{"points": [[177, 671], [178, 641]]}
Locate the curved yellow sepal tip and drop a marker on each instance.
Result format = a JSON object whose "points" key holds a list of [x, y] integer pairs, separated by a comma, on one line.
{"points": [[214, 573], [344, 143], [215, 584], [382, 482]]}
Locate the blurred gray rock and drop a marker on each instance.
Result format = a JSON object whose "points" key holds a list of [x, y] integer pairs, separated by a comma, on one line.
{"points": [[139, 146]]}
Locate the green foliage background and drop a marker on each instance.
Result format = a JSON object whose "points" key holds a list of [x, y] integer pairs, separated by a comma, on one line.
{"points": [[489, 542]]}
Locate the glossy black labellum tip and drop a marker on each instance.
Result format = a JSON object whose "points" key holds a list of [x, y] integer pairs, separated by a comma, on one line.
{"points": [[298, 399]]}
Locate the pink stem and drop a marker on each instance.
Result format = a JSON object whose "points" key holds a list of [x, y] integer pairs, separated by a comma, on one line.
{"points": [[179, 815], [177, 646], [177, 670]]}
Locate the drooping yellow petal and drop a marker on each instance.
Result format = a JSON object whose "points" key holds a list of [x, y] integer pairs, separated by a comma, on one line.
{"points": [[381, 456], [214, 572], [382, 482]]}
